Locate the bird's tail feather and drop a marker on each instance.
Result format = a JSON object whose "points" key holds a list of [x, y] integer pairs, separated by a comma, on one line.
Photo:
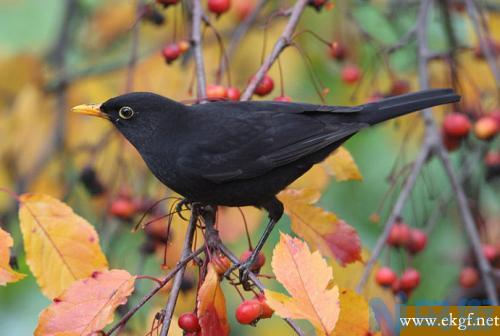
{"points": [[393, 107]]}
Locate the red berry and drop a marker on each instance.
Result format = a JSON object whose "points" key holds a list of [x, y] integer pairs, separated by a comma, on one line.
{"points": [[171, 52], [267, 312], [486, 128], [351, 74], [183, 46], [396, 286], [317, 4], [469, 277], [385, 276], [233, 93], [261, 260], [265, 86], [216, 92], [450, 143], [400, 86], [123, 207], [243, 8], [221, 263], [337, 51], [399, 234], [189, 322], [285, 99], [489, 252], [417, 242], [456, 125], [492, 159], [157, 231], [409, 280], [249, 311], [219, 6]]}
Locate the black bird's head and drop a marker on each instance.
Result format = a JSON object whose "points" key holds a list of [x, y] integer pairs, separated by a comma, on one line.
{"points": [[136, 115]]}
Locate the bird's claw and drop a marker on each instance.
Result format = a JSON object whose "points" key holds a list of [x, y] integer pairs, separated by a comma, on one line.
{"points": [[179, 207], [244, 275]]}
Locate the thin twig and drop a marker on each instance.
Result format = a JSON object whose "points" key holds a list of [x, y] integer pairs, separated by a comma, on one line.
{"points": [[196, 43], [283, 41], [395, 213], [134, 48], [180, 265], [176, 286]]}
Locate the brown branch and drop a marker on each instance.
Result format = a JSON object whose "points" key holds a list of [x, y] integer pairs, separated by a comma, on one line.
{"points": [[180, 265], [176, 286], [196, 43], [396, 212], [432, 133], [283, 41]]}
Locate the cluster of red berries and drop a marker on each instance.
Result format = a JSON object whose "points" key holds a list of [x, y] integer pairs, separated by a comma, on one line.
{"points": [[414, 241], [220, 92], [173, 50], [457, 126], [469, 276], [251, 311]]}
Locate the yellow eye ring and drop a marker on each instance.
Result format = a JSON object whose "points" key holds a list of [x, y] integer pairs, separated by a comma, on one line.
{"points": [[126, 112]]}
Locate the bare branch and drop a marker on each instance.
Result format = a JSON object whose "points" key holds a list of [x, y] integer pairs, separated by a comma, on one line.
{"points": [[396, 212], [198, 49], [281, 44], [176, 286]]}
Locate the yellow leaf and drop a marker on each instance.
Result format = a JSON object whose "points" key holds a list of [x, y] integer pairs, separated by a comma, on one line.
{"points": [[87, 306], [212, 306], [320, 228], [341, 165], [7, 274], [307, 277], [61, 247], [354, 315]]}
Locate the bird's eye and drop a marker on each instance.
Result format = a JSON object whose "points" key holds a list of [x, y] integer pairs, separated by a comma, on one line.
{"points": [[126, 112]]}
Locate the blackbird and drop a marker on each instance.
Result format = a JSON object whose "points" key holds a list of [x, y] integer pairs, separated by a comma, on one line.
{"points": [[243, 153]]}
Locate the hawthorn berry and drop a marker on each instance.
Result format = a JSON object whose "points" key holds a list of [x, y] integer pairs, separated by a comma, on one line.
{"points": [[317, 4], [249, 311], [409, 280], [489, 252], [337, 51], [243, 8], [417, 241], [286, 99], [171, 52], [183, 46], [267, 312], [456, 125], [123, 207], [265, 86], [450, 143], [233, 93], [350, 74], [385, 276], [486, 128], [219, 6], [189, 322], [261, 260], [157, 231], [469, 277], [399, 87], [151, 14], [216, 92], [399, 234]]}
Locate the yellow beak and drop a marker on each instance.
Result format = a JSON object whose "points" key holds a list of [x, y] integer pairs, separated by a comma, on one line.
{"points": [[91, 110]]}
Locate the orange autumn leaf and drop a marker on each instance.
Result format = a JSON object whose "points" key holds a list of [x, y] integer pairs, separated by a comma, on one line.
{"points": [[354, 316], [87, 306], [321, 228], [341, 165], [7, 274], [61, 247], [212, 313], [307, 277]]}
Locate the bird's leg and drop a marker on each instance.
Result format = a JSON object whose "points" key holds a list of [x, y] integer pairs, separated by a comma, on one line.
{"points": [[211, 233], [275, 210]]}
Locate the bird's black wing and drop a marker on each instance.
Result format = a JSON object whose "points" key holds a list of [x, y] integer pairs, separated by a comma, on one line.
{"points": [[245, 144]]}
